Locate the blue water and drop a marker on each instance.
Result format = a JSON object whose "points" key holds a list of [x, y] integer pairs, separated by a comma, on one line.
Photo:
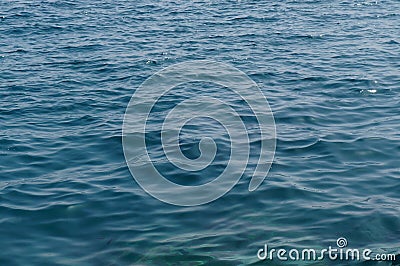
{"points": [[330, 71]]}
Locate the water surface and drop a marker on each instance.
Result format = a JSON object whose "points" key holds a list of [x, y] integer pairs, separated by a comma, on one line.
{"points": [[330, 71]]}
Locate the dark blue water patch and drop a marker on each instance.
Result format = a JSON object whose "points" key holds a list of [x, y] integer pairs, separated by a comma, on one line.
{"points": [[197, 129]]}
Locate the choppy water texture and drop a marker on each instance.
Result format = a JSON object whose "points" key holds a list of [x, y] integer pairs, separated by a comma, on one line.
{"points": [[330, 70]]}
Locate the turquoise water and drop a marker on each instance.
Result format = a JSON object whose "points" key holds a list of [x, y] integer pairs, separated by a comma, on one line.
{"points": [[330, 71]]}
